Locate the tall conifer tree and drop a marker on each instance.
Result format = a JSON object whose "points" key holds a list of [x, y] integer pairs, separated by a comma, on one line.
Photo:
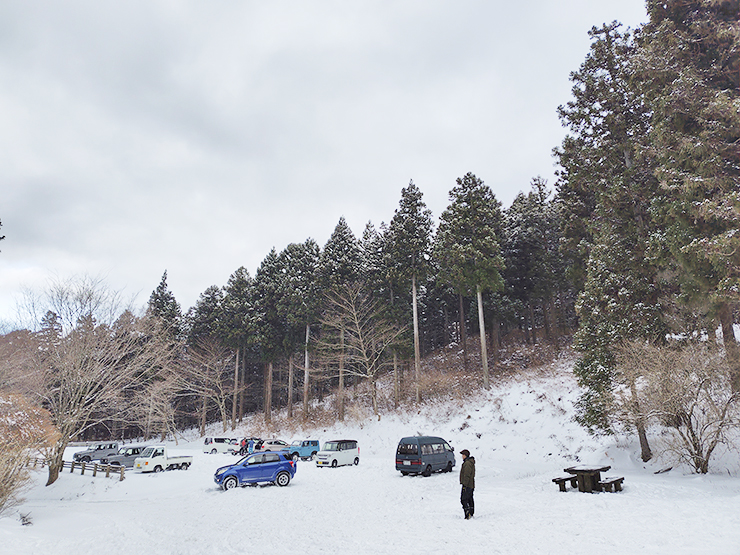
{"points": [[467, 246], [409, 245]]}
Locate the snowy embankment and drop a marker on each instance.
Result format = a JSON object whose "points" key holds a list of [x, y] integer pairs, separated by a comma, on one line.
{"points": [[521, 434]]}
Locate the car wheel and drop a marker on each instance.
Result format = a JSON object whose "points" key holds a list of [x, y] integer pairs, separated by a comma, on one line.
{"points": [[404, 473], [357, 461], [295, 457], [214, 451], [313, 455], [334, 463], [427, 471], [157, 468], [283, 479], [184, 466], [85, 459], [230, 483], [449, 467]]}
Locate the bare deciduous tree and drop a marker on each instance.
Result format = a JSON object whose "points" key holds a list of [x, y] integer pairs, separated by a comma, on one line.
{"points": [[24, 429], [359, 336], [688, 390], [206, 372]]}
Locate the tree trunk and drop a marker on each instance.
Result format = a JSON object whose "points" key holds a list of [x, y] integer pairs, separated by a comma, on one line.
{"points": [[495, 340], [396, 381], [546, 322], [306, 374], [417, 355], [290, 386], [340, 389], [242, 389], [463, 334], [235, 398], [203, 415], [531, 320], [268, 393], [645, 451], [55, 463], [731, 347], [482, 329]]}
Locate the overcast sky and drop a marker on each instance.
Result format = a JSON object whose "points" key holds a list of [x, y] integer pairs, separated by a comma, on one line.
{"points": [[194, 136]]}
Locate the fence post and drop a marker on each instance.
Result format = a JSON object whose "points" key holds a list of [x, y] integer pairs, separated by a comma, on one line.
{"points": [[71, 467], [107, 471], [95, 469], [83, 469], [122, 470]]}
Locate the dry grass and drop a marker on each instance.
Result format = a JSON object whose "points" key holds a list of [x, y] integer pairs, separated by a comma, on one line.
{"points": [[443, 377]]}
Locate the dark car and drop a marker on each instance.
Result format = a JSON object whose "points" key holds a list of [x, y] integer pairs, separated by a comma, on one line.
{"points": [[424, 455], [255, 468], [125, 456]]}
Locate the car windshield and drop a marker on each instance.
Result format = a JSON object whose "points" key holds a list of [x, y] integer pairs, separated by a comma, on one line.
{"points": [[331, 446], [243, 460], [297, 443], [147, 452]]}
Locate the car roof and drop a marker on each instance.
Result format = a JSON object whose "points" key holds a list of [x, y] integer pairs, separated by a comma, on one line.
{"points": [[422, 439]]}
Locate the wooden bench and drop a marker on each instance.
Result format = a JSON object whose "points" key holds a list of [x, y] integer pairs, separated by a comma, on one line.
{"points": [[610, 481], [563, 479]]}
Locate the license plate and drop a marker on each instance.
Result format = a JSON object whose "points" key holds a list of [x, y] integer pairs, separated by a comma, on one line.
{"points": [[407, 462]]}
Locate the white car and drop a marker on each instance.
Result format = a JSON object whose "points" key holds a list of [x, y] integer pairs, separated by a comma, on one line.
{"points": [[220, 445], [274, 445], [339, 452]]}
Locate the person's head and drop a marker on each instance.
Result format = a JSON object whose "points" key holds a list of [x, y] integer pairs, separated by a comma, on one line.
{"points": [[464, 454]]}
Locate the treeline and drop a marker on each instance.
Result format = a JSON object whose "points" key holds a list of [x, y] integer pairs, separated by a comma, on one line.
{"points": [[316, 319]]}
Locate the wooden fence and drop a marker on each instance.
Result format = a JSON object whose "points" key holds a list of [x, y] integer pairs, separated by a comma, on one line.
{"points": [[114, 470]]}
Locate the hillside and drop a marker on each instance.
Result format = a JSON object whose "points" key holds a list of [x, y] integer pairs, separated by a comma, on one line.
{"points": [[520, 432]]}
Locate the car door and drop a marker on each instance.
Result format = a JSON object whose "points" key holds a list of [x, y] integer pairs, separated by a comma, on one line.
{"points": [[269, 465], [251, 470]]}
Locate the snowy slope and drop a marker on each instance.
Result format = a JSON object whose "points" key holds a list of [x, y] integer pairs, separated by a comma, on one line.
{"points": [[521, 435]]}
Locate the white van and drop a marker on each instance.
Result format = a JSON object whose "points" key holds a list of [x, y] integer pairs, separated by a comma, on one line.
{"points": [[339, 452], [220, 445]]}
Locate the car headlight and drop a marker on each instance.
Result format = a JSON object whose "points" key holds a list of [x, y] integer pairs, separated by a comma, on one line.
{"points": [[221, 471]]}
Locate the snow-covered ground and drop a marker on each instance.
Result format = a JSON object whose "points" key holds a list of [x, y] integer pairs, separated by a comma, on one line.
{"points": [[521, 435]]}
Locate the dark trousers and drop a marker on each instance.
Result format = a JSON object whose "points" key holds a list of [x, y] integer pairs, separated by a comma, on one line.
{"points": [[466, 498]]}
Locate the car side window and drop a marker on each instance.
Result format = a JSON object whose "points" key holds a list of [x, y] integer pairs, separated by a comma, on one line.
{"points": [[272, 457], [257, 459], [426, 449]]}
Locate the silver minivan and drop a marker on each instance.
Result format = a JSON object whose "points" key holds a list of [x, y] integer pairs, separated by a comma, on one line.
{"points": [[424, 455]]}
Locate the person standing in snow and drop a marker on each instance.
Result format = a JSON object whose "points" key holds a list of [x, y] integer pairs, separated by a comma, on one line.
{"points": [[467, 480]]}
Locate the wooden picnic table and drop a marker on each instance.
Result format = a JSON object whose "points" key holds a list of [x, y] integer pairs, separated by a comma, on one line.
{"points": [[588, 476]]}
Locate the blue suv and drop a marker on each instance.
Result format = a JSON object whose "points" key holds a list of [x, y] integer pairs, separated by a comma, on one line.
{"points": [[303, 448], [257, 467]]}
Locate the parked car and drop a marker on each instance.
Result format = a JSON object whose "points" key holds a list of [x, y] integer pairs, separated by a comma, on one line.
{"points": [[96, 452], [424, 455], [125, 457], [155, 458], [273, 445], [255, 468], [215, 445], [339, 452], [303, 448]]}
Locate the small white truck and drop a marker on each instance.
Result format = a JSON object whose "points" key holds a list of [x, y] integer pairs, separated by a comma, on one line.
{"points": [[155, 459]]}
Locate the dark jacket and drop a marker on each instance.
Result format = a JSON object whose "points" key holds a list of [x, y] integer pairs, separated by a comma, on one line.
{"points": [[467, 473]]}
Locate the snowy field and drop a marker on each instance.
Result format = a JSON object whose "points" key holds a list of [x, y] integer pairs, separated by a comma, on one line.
{"points": [[521, 436]]}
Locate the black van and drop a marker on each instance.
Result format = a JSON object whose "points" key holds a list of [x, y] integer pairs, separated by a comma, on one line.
{"points": [[424, 455]]}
